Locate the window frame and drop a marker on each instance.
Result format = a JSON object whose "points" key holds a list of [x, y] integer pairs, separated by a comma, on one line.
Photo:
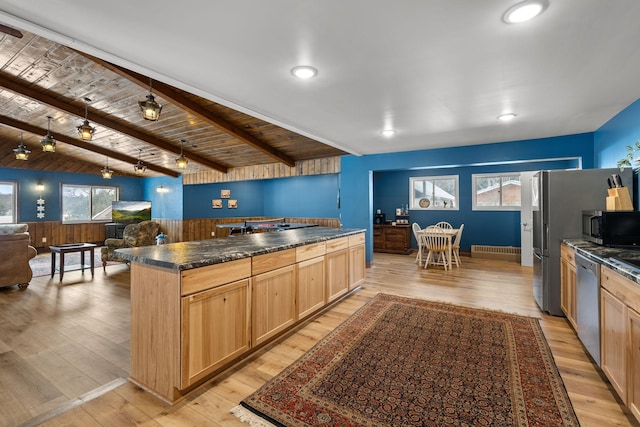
{"points": [[15, 193], [414, 202], [501, 207], [91, 187]]}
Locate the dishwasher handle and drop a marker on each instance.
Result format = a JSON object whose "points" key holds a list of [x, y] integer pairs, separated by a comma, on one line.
{"points": [[587, 264]]}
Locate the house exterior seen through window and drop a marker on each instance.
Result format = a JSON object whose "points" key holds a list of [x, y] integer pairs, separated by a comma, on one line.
{"points": [[87, 203], [496, 191], [434, 192], [8, 202]]}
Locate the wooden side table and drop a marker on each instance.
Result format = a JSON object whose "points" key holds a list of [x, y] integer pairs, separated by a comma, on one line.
{"points": [[70, 248]]}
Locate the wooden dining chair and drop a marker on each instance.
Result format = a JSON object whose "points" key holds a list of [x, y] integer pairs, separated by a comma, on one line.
{"points": [[455, 248], [436, 244], [415, 227], [444, 224]]}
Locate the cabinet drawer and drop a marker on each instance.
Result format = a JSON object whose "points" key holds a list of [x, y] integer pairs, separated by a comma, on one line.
{"points": [[568, 253], [306, 252], [337, 244], [267, 262], [202, 278], [357, 239], [622, 288]]}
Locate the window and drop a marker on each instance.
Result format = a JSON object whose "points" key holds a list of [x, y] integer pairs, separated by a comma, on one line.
{"points": [[86, 203], [434, 192], [8, 202], [496, 191]]}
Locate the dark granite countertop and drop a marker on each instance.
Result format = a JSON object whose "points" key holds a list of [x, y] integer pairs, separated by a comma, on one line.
{"points": [[200, 253], [604, 255]]}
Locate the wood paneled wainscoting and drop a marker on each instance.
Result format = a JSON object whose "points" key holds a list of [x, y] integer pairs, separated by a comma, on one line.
{"points": [[57, 233], [201, 228]]}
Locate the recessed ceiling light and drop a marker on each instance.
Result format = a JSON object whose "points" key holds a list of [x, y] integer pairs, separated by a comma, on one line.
{"points": [[304, 72], [388, 132], [524, 11], [507, 117]]}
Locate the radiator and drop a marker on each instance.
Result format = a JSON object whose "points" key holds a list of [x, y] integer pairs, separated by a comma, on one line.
{"points": [[507, 253]]}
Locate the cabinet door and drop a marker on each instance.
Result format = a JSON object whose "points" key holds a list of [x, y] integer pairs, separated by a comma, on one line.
{"points": [[357, 265], [568, 291], [633, 364], [215, 329], [311, 286], [337, 274], [613, 319], [273, 302]]}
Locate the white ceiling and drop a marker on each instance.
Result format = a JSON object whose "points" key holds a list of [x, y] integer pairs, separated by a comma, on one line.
{"points": [[438, 71]]}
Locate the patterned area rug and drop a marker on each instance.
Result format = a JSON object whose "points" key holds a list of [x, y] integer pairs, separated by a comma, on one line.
{"points": [[407, 362]]}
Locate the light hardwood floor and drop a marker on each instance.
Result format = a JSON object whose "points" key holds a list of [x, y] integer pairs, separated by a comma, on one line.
{"points": [[58, 344]]}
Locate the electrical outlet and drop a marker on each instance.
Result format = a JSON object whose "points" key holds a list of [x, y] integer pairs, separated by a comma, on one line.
{"points": [[213, 234], [44, 240]]}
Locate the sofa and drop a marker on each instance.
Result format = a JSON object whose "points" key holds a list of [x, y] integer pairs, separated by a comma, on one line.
{"points": [[15, 253], [141, 234]]}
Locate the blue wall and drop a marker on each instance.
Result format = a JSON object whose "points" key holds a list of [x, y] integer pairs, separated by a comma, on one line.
{"points": [[130, 189], [611, 140], [357, 177], [167, 204], [305, 196]]}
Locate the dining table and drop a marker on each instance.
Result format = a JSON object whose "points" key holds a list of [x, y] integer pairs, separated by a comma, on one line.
{"points": [[450, 234]]}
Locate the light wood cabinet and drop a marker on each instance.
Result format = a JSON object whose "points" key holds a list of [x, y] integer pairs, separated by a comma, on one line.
{"points": [[215, 325], [357, 265], [337, 274], [311, 286], [568, 284], [273, 303], [614, 342], [633, 361]]}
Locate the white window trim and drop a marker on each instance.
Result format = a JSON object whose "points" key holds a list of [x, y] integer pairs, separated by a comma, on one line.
{"points": [[16, 202], [63, 221], [475, 207], [417, 207]]}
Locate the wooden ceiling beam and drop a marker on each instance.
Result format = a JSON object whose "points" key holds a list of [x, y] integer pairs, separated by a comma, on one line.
{"points": [[26, 127], [177, 98], [33, 92]]}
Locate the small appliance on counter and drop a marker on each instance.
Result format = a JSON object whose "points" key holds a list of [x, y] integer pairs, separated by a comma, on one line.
{"points": [[612, 228], [380, 218]]}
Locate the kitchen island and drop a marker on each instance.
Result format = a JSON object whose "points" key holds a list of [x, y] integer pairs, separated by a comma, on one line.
{"points": [[199, 307]]}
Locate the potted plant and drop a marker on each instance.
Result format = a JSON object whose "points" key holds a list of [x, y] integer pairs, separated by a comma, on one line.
{"points": [[632, 156]]}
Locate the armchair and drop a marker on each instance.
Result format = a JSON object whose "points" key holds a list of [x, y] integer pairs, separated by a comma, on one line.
{"points": [[141, 234], [15, 253]]}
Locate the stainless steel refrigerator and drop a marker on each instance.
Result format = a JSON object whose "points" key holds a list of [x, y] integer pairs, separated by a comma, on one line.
{"points": [[558, 199]]}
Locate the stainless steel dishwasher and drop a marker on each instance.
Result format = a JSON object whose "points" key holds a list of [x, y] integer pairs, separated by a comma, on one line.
{"points": [[588, 305]]}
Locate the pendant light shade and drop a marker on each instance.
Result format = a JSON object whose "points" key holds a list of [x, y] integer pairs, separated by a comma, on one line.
{"points": [[85, 130], [22, 153], [182, 162], [106, 172], [150, 108], [140, 167], [48, 141]]}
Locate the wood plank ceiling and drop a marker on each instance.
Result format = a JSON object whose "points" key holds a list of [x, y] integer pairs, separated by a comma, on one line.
{"points": [[40, 78]]}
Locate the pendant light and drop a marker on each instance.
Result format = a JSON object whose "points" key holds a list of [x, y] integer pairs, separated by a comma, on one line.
{"points": [[48, 141], [182, 162], [22, 153], [140, 167], [150, 108], [106, 172], [85, 130]]}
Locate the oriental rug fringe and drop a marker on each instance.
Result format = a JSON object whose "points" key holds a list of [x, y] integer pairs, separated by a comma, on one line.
{"points": [[405, 362]]}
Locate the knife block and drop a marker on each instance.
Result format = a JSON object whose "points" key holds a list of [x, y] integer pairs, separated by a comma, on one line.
{"points": [[619, 199]]}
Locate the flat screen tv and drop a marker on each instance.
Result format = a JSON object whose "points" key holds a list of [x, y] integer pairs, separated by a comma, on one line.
{"points": [[130, 211]]}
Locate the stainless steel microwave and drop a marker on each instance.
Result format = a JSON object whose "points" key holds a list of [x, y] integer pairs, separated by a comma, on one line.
{"points": [[611, 228]]}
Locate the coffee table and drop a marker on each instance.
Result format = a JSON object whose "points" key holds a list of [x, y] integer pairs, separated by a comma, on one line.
{"points": [[69, 248]]}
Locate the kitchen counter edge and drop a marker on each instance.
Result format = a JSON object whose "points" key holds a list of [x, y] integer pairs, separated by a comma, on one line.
{"points": [[603, 255], [200, 253]]}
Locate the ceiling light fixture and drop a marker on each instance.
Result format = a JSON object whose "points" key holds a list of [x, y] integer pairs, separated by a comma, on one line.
{"points": [[106, 172], [388, 132], [507, 117], [150, 108], [524, 11], [304, 71], [182, 162], [140, 167], [22, 153], [48, 141], [85, 130]]}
